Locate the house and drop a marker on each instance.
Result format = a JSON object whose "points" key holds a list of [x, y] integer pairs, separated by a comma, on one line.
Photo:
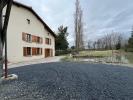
{"points": [[28, 36]]}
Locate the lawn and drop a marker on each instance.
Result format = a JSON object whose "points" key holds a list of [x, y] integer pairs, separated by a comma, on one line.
{"points": [[129, 56], [96, 53]]}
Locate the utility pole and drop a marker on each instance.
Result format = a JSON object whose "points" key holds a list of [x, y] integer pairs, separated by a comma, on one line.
{"points": [[3, 33]]}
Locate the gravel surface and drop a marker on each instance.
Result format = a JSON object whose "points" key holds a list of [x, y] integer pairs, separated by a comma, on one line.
{"points": [[69, 81]]}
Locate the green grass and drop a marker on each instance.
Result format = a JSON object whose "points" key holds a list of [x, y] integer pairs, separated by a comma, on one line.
{"points": [[129, 56], [96, 53]]}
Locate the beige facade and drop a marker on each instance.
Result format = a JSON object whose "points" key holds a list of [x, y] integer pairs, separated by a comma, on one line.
{"points": [[25, 20]]}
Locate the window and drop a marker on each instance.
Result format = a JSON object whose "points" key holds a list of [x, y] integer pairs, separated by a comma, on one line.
{"points": [[26, 37], [27, 51], [33, 51], [48, 41], [31, 38], [37, 39], [36, 51]]}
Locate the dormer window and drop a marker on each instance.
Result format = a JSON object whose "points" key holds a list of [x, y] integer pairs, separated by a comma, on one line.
{"points": [[28, 21]]}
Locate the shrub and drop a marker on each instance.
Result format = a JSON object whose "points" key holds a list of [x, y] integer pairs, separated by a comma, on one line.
{"points": [[62, 52], [129, 49]]}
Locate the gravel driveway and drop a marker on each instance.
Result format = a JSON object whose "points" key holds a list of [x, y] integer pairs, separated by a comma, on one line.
{"points": [[69, 81]]}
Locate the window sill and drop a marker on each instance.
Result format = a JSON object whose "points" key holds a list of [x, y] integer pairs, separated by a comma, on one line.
{"points": [[28, 56], [27, 42], [37, 55]]}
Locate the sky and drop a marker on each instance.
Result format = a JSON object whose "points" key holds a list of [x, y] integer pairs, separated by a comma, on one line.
{"points": [[100, 16]]}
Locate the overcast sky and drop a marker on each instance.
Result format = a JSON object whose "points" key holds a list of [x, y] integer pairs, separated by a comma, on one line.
{"points": [[100, 16]]}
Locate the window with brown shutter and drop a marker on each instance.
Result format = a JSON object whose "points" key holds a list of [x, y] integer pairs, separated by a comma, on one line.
{"points": [[37, 39], [33, 38], [36, 51], [26, 51], [26, 37], [48, 41], [29, 51], [33, 51]]}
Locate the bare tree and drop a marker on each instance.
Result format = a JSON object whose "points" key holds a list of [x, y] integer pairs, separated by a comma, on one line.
{"points": [[109, 41], [3, 32], [94, 45], [78, 17], [89, 45]]}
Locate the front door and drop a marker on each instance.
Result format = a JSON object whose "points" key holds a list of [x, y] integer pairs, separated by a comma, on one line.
{"points": [[48, 53]]}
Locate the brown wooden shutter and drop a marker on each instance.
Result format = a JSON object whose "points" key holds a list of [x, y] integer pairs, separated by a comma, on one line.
{"points": [[45, 40], [50, 41], [32, 38], [33, 51], [35, 38], [41, 40], [51, 52], [24, 51], [41, 51], [24, 36]]}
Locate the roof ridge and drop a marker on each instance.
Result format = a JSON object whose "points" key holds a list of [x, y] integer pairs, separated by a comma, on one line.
{"points": [[33, 11]]}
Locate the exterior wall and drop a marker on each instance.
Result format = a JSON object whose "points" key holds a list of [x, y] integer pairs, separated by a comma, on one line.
{"points": [[17, 25]]}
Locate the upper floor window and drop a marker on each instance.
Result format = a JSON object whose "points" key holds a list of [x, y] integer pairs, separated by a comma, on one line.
{"points": [[31, 38], [48, 41], [26, 37], [37, 39]]}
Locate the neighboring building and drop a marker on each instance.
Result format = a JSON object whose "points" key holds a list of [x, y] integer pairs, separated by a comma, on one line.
{"points": [[28, 36]]}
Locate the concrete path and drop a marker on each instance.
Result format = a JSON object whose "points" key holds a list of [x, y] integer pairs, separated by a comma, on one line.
{"points": [[37, 61]]}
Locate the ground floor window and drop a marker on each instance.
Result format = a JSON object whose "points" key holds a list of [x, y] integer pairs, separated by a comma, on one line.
{"points": [[36, 51], [27, 51]]}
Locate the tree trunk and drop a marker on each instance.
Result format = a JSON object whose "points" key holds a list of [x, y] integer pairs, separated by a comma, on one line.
{"points": [[1, 46]]}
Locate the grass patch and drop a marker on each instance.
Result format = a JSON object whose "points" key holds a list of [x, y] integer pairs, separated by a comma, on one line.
{"points": [[96, 53], [129, 56], [100, 54]]}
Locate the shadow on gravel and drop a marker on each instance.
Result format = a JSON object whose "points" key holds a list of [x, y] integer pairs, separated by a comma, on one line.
{"points": [[69, 81]]}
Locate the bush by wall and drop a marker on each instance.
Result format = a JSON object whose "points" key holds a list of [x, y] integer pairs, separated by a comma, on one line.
{"points": [[62, 52]]}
